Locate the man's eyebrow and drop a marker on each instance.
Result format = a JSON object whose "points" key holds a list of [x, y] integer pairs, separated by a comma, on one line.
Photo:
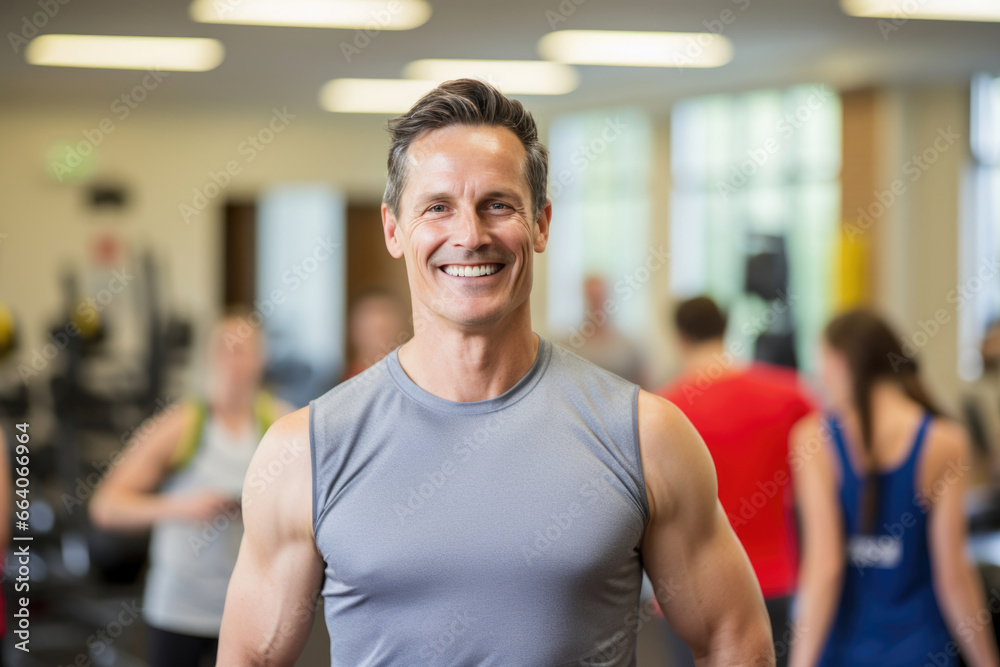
{"points": [[430, 196], [504, 194], [493, 194]]}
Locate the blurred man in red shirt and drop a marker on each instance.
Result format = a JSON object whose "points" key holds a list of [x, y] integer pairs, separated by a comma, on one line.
{"points": [[745, 414]]}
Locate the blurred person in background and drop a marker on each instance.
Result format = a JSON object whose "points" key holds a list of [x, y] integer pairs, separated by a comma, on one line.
{"points": [[599, 342], [983, 400], [184, 478], [377, 324], [745, 414], [885, 579]]}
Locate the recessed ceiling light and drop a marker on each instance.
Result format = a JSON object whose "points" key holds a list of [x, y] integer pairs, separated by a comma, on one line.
{"points": [[359, 14], [524, 77], [636, 48], [179, 54], [373, 95], [941, 10]]}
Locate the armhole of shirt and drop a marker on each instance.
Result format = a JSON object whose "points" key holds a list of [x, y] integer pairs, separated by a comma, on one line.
{"points": [[312, 465], [639, 476]]}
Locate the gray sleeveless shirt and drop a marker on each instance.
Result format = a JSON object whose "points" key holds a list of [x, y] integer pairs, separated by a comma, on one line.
{"points": [[496, 532]]}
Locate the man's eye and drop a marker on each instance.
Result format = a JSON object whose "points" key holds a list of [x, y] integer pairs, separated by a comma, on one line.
{"points": [[498, 205], [437, 208]]}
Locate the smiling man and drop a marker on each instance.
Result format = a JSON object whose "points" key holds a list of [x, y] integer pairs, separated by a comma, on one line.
{"points": [[481, 495]]}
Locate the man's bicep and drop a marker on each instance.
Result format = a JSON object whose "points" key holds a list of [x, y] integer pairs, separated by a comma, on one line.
{"points": [[700, 572], [272, 597], [273, 592], [692, 574], [702, 578], [680, 478]]}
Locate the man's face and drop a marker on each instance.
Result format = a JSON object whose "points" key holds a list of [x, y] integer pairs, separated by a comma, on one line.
{"points": [[465, 225]]}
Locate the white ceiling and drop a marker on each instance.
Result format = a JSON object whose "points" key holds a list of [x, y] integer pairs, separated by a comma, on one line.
{"points": [[776, 42]]}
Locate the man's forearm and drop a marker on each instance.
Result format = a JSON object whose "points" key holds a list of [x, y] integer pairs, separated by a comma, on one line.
{"points": [[747, 644], [268, 636], [234, 657]]}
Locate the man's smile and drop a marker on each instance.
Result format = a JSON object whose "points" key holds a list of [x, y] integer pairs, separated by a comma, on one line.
{"points": [[472, 270]]}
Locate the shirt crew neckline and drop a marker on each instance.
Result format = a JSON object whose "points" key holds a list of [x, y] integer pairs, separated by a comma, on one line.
{"points": [[520, 389]]}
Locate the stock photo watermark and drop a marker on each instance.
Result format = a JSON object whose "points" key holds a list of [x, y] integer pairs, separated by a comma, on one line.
{"points": [[88, 311], [440, 644], [626, 286], [928, 328], [432, 481], [248, 149], [294, 277], [122, 107], [559, 523], [723, 362], [901, 13], [582, 157], [86, 486], [696, 44], [380, 20], [622, 641], [31, 24], [784, 129], [914, 168]]}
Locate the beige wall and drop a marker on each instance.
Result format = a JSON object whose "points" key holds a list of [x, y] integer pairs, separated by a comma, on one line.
{"points": [[661, 340], [918, 251]]}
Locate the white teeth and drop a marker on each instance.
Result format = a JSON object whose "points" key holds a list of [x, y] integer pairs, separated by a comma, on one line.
{"points": [[471, 271]]}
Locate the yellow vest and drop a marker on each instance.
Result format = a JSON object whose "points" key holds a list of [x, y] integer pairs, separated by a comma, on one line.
{"points": [[265, 414]]}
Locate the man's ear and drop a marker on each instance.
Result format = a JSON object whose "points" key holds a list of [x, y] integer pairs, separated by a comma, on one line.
{"points": [[391, 230], [544, 219]]}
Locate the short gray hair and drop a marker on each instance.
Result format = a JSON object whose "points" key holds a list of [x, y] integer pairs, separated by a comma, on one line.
{"points": [[466, 102]]}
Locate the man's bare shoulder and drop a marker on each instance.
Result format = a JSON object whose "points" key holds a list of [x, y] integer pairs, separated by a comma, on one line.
{"points": [[675, 461], [664, 429], [278, 486], [294, 423]]}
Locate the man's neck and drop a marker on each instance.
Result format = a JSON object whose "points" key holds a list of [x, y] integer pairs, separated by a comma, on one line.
{"points": [[462, 365]]}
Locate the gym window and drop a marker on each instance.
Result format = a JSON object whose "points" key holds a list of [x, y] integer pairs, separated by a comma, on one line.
{"points": [[599, 184], [758, 175], [979, 304]]}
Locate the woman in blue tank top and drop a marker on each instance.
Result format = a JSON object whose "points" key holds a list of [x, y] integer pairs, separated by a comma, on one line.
{"points": [[880, 483]]}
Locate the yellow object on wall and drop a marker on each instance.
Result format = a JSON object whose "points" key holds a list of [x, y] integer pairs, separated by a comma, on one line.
{"points": [[852, 284]]}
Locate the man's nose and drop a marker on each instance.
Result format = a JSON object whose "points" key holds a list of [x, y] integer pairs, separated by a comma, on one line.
{"points": [[472, 232]]}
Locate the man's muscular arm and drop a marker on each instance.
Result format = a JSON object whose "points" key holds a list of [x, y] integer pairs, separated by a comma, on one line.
{"points": [[273, 592], [701, 575]]}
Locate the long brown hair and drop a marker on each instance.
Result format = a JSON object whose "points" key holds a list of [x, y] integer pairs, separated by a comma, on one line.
{"points": [[874, 352]]}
